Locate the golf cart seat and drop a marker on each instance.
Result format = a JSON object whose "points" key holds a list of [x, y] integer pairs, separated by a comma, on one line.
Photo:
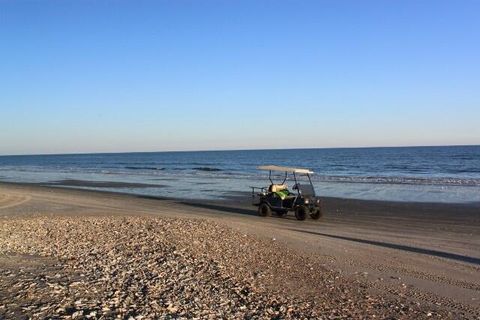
{"points": [[277, 187], [281, 191]]}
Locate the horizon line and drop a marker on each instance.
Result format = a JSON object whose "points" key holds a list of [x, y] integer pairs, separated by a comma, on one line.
{"points": [[231, 150]]}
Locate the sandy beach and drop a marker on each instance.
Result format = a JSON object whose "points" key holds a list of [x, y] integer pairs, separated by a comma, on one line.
{"points": [[74, 254]]}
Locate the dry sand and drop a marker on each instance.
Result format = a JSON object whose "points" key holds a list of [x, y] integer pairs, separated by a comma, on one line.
{"points": [[81, 254]]}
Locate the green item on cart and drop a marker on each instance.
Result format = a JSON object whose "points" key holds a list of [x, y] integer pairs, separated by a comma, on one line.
{"points": [[282, 194]]}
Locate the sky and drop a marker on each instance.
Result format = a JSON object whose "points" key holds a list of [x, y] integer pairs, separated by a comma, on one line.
{"points": [[120, 76]]}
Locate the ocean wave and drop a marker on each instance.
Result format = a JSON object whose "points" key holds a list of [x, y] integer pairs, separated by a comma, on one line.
{"points": [[207, 169], [130, 163], [441, 181], [143, 168]]}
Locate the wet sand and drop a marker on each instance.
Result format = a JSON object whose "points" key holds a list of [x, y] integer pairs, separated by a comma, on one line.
{"points": [[400, 260]]}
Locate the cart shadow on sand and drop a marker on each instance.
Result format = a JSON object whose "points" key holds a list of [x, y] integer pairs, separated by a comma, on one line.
{"points": [[241, 208], [230, 209], [430, 252]]}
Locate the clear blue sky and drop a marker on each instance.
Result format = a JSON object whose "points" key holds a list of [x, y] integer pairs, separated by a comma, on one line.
{"points": [[105, 76]]}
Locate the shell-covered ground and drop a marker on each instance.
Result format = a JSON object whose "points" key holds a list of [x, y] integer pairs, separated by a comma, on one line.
{"points": [[143, 267]]}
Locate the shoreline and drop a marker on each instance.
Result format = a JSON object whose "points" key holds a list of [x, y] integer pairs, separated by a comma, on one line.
{"points": [[438, 175], [427, 256], [231, 196]]}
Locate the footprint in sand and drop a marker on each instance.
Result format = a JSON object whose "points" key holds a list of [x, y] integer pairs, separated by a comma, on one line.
{"points": [[12, 200]]}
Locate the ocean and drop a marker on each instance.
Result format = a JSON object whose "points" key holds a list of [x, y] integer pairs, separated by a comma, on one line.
{"points": [[420, 174]]}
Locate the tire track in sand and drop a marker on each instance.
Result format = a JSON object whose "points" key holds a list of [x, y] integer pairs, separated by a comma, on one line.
{"points": [[12, 200]]}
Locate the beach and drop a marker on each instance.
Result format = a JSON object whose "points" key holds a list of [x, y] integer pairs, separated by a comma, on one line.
{"points": [[239, 160], [75, 254]]}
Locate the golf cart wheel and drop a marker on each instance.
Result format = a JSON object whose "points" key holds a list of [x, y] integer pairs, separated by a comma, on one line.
{"points": [[301, 212], [281, 213], [264, 210], [316, 213]]}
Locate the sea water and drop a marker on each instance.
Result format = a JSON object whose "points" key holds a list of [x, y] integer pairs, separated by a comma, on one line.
{"points": [[422, 174]]}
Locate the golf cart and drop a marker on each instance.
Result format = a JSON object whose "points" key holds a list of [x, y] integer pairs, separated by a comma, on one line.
{"points": [[278, 199]]}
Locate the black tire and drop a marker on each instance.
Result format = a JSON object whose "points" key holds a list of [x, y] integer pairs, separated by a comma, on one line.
{"points": [[316, 213], [301, 213], [281, 213], [264, 210]]}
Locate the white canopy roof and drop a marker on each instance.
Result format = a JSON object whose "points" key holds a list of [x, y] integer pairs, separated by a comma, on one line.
{"points": [[285, 169]]}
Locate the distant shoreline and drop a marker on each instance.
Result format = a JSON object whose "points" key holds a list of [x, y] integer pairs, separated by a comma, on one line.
{"points": [[239, 150]]}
